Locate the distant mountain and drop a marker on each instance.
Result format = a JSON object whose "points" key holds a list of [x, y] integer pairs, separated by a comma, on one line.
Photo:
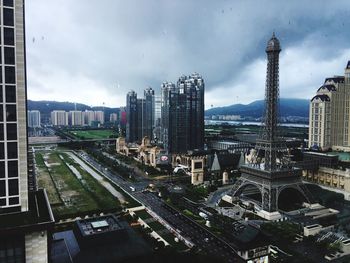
{"points": [[288, 107], [45, 107]]}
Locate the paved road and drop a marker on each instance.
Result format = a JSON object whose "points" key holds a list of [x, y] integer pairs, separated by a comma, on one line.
{"points": [[214, 198], [202, 238], [189, 229]]}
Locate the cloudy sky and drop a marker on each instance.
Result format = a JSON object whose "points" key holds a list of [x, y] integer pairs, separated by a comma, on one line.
{"points": [[94, 51]]}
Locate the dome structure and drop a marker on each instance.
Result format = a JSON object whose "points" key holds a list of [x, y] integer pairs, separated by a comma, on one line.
{"points": [[273, 44]]}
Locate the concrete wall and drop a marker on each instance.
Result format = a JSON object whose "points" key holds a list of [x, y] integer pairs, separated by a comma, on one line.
{"points": [[36, 247]]}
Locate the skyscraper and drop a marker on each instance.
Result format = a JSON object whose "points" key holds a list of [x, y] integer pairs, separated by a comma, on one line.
{"points": [[24, 215], [131, 116], [157, 117], [140, 115], [183, 114], [148, 114], [329, 115]]}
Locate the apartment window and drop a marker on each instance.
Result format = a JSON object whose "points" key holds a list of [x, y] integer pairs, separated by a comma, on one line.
{"points": [[2, 169], [9, 55], [10, 93], [8, 17], [13, 201], [12, 150], [11, 113], [1, 98], [2, 188], [13, 186], [8, 3], [11, 131], [0, 74], [9, 36], [10, 75], [2, 203], [2, 156], [12, 168]]}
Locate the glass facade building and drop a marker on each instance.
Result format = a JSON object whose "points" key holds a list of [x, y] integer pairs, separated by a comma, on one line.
{"points": [[183, 114]]}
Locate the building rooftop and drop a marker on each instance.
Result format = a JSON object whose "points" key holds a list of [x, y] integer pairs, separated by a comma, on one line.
{"points": [[93, 226], [38, 216], [335, 79], [321, 97], [329, 87]]}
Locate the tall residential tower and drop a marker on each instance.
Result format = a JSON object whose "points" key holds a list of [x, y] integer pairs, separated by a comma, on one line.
{"points": [[329, 119], [25, 215], [183, 114], [140, 115]]}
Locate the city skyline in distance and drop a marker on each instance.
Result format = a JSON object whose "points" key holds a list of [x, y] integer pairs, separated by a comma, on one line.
{"points": [[96, 54]]}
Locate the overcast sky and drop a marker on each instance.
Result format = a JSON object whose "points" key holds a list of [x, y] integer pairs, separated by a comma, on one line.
{"points": [[95, 51]]}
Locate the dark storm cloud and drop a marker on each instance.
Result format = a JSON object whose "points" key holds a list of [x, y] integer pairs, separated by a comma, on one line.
{"points": [[95, 51]]}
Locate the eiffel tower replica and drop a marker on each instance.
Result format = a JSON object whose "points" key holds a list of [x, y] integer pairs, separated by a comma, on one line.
{"points": [[270, 170]]}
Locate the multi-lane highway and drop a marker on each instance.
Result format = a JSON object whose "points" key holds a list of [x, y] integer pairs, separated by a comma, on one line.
{"points": [[204, 240]]}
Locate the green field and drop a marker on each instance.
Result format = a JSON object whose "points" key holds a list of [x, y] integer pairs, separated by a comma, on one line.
{"points": [[94, 134], [68, 195]]}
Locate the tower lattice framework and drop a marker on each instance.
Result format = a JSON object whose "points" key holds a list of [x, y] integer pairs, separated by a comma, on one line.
{"points": [[271, 170]]}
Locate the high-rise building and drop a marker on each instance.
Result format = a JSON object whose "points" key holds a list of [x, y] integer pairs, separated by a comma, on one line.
{"points": [[100, 117], [59, 118], [140, 115], [89, 117], [25, 216], [157, 109], [183, 114], [329, 121], [34, 120], [113, 117], [122, 118], [148, 113], [131, 116], [76, 118], [157, 117]]}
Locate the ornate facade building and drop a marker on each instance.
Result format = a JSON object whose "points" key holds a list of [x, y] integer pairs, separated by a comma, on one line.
{"points": [[329, 120]]}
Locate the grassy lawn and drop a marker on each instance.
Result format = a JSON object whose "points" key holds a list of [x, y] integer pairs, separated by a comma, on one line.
{"points": [[79, 196], [170, 238], [143, 214], [100, 194], [93, 134], [156, 226], [45, 181]]}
